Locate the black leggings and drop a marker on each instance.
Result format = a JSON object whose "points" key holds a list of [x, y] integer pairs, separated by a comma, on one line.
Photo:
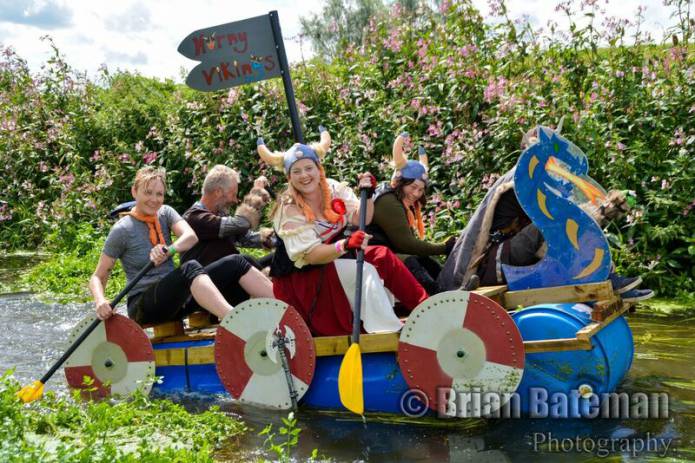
{"points": [[170, 298], [425, 270]]}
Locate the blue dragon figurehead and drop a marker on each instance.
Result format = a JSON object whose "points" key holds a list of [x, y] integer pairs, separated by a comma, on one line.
{"points": [[551, 183]]}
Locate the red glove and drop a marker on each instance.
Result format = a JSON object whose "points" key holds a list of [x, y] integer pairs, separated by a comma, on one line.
{"points": [[372, 180], [355, 241]]}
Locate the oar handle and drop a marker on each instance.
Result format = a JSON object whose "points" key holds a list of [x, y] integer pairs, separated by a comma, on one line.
{"points": [[95, 323], [360, 265]]}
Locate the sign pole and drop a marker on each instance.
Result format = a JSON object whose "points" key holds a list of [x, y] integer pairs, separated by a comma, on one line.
{"points": [[286, 79]]}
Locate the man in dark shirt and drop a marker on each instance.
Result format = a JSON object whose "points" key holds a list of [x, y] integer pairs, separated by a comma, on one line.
{"points": [[219, 233], [515, 240]]}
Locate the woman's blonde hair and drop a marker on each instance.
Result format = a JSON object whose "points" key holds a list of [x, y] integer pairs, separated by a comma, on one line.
{"points": [[148, 173]]}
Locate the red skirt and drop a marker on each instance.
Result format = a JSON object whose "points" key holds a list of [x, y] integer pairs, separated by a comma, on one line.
{"points": [[319, 297]]}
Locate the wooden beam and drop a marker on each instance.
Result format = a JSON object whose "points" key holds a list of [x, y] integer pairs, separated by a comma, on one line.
{"points": [[490, 291], [331, 345], [170, 357], [198, 320], [556, 345], [592, 328], [168, 329], [558, 294], [386, 342], [338, 345], [202, 355], [603, 309], [198, 336]]}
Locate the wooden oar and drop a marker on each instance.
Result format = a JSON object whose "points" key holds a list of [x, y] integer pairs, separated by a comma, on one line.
{"points": [[350, 374], [34, 391]]}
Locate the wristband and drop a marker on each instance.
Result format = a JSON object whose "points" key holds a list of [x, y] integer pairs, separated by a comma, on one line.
{"points": [[340, 247], [172, 250]]}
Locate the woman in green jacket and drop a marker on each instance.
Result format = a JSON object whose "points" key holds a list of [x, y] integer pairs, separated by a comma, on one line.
{"points": [[398, 221]]}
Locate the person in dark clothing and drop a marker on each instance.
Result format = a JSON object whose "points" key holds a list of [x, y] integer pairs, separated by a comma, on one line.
{"points": [[219, 233], [144, 235], [398, 222], [515, 240]]}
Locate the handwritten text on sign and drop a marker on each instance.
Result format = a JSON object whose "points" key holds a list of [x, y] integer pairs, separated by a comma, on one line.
{"points": [[231, 54]]}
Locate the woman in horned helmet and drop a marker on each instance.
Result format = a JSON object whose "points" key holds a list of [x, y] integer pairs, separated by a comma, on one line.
{"points": [[309, 269], [398, 221]]}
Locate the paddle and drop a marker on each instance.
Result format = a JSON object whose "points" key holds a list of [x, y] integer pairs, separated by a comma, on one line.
{"points": [[350, 374], [34, 391]]}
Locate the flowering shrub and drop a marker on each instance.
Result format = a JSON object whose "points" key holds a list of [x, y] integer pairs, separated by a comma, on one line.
{"points": [[462, 88]]}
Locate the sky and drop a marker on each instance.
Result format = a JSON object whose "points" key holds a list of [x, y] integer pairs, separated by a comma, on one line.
{"points": [[144, 35]]}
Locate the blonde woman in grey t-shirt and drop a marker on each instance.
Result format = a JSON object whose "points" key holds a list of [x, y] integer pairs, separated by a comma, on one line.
{"points": [[164, 293]]}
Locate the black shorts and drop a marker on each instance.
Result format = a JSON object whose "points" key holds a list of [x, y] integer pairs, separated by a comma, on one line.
{"points": [[170, 298]]}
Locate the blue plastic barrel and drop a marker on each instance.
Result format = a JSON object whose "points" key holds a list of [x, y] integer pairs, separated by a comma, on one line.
{"points": [[383, 383], [602, 368]]}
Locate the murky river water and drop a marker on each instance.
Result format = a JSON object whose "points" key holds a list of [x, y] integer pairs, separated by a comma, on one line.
{"points": [[35, 335]]}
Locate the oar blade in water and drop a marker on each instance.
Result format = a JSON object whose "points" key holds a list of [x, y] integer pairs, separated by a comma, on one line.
{"points": [[350, 380]]}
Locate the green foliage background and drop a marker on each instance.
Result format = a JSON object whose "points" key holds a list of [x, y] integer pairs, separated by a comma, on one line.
{"points": [[69, 146]]}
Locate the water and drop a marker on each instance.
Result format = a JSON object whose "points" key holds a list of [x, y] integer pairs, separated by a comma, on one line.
{"points": [[36, 333]]}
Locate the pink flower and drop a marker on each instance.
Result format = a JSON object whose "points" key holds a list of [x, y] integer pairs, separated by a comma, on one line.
{"points": [[149, 157], [435, 130], [679, 137], [96, 156], [67, 179], [393, 43], [5, 213], [688, 208], [232, 96]]}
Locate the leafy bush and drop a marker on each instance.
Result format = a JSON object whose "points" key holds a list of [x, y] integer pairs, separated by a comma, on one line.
{"points": [[139, 430], [64, 276], [462, 87]]}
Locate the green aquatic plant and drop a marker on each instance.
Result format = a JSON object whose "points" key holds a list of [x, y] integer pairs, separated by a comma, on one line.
{"points": [[65, 428], [289, 438]]}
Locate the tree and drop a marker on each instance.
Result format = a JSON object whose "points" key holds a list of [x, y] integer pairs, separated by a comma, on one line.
{"points": [[340, 23]]}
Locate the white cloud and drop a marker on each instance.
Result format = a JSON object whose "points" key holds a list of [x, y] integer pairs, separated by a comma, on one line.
{"points": [[143, 35], [47, 14], [136, 18]]}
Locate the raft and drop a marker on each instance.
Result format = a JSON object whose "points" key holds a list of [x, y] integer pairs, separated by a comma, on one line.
{"points": [[557, 327], [567, 336]]}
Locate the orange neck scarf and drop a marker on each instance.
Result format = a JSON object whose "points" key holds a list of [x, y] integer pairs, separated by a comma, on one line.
{"points": [[153, 225], [415, 220]]}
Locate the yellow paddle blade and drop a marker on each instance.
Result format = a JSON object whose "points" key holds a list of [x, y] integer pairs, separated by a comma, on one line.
{"points": [[350, 380], [30, 393]]}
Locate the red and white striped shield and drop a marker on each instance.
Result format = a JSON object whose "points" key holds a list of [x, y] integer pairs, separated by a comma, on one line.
{"points": [[117, 356], [248, 361], [462, 343]]}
